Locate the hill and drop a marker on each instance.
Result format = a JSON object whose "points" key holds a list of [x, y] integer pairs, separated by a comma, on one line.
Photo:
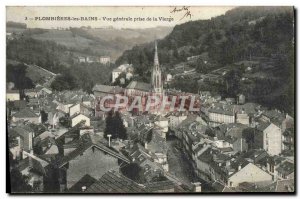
{"points": [[264, 35], [96, 41]]}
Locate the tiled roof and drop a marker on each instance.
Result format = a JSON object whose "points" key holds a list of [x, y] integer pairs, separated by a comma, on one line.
{"points": [[285, 185], [286, 168], [114, 182], [107, 89], [262, 125], [88, 141], [19, 104], [77, 114], [25, 113], [221, 111], [160, 185], [217, 186], [85, 181], [139, 86], [38, 164], [29, 90]]}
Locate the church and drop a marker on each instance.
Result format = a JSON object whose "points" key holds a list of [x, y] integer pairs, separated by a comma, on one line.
{"points": [[155, 87], [156, 80]]}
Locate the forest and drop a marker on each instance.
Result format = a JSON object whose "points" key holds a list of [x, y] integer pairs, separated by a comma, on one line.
{"points": [[57, 59], [242, 34]]}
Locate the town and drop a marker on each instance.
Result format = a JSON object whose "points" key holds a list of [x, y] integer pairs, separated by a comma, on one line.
{"points": [[65, 141], [179, 103]]}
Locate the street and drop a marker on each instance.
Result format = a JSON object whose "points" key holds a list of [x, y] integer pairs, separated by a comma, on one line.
{"points": [[178, 164]]}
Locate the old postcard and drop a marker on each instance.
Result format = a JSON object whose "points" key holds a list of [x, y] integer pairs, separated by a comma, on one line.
{"points": [[173, 99]]}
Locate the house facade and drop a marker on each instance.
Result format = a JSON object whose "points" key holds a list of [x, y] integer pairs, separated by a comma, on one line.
{"points": [[12, 95], [250, 173], [272, 139], [77, 118]]}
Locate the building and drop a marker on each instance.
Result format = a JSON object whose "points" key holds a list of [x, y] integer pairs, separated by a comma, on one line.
{"points": [[100, 90], [35, 169], [12, 95], [242, 117], [241, 99], [272, 139], [127, 69], [81, 59], [249, 173], [156, 76], [43, 91], [80, 108], [114, 182], [27, 115], [163, 124], [157, 147], [23, 136], [286, 170], [136, 88], [31, 93], [104, 59], [89, 156], [169, 77], [288, 139], [176, 119], [79, 117], [115, 74], [129, 75], [64, 107], [220, 116]]}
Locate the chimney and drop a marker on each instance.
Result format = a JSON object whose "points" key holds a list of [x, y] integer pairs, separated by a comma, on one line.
{"points": [[109, 136], [83, 188]]}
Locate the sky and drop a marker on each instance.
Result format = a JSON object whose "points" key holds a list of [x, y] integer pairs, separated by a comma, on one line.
{"points": [[138, 17]]}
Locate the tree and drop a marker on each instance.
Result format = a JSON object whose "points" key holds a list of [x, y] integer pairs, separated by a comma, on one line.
{"points": [[115, 126], [109, 128], [17, 75], [64, 121], [120, 126], [65, 81]]}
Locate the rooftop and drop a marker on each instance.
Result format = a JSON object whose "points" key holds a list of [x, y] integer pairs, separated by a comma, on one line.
{"points": [[114, 182], [25, 113], [139, 86], [87, 141], [107, 89]]}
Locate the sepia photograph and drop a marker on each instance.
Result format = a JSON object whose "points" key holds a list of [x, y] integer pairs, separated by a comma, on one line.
{"points": [[150, 100]]}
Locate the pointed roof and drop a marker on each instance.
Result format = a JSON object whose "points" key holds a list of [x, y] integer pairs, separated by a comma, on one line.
{"points": [[156, 62], [87, 141]]}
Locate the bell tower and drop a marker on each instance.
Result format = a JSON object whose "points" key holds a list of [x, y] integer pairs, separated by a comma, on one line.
{"points": [[156, 81]]}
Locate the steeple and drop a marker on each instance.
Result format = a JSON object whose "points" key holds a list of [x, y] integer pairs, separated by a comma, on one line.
{"points": [[156, 62], [156, 80]]}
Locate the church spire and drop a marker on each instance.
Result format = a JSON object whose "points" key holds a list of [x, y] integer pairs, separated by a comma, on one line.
{"points": [[156, 62], [156, 80]]}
